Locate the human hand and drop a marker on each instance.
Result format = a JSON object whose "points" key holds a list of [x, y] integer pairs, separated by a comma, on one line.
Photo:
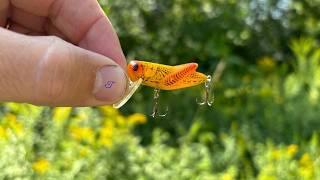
{"points": [[83, 68]]}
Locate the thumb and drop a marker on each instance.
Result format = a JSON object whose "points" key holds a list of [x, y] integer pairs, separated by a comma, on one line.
{"points": [[50, 71]]}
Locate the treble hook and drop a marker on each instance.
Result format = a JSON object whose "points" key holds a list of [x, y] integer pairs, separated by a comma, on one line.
{"points": [[155, 109], [207, 94]]}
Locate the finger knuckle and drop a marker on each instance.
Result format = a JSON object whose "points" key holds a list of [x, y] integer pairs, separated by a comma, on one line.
{"points": [[52, 71]]}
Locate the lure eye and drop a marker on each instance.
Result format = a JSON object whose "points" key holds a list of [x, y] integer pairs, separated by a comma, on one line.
{"points": [[135, 67]]}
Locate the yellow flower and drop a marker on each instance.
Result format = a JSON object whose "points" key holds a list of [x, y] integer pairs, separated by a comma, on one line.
{"points": [[276, 154], [107, 131], [306, 160], [121, 121], [3, 132], [82, 134], [266, 63], [11, 117], [292, 149], [41, 166], [137, 118], [61, 113], [227, 177], [106, 135], [107, 142], [229, 174], [13, 124], [109, 111], [306, 168]]}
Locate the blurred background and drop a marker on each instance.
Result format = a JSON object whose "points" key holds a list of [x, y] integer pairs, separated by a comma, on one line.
{"points": [[264, 123]]}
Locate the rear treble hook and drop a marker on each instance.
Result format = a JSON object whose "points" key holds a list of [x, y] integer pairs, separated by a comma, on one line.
{"points": [[155, 109], [207, 99]]}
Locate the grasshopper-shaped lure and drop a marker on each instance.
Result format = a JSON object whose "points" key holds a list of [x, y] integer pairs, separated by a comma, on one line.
{"points": [[164, 77]]}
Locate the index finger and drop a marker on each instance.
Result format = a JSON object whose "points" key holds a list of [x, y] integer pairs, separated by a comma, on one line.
{"points": [[4, 7], [82, 22]]}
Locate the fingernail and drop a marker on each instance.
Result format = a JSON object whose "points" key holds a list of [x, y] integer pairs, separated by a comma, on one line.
{"points": [[110, 84]]}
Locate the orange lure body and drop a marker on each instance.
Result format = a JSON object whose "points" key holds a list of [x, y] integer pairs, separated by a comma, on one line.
{"points": [[165, 77]]}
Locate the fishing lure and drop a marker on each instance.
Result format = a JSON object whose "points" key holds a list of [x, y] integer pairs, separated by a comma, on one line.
{"points": [[164, 77]]}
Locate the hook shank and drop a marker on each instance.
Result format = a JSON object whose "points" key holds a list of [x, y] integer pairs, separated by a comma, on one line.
{"points": [[155, 109], [207, 99]]}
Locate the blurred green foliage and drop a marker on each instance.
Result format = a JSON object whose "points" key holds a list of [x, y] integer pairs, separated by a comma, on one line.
{"points": [[264, 123], [97, 143]]}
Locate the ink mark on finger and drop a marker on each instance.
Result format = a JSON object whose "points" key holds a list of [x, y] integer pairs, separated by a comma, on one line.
{"points": [[109, 84]]}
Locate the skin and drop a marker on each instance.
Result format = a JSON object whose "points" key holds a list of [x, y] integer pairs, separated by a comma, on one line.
{"points": [[51, 51], [165, 77]]}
